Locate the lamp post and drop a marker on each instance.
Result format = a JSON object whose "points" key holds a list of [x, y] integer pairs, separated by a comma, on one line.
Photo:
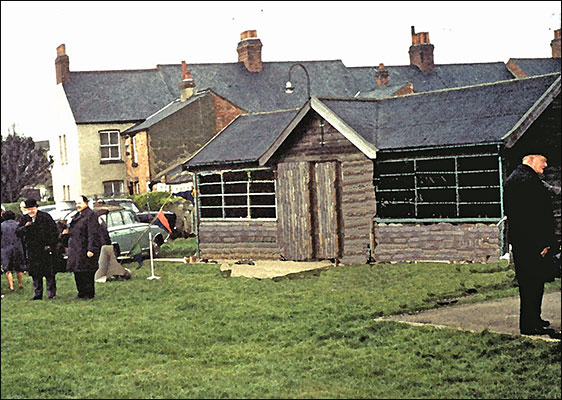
{"points": [[289, 88]]}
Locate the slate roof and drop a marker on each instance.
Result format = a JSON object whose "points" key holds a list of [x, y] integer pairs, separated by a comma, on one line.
{"points": [[445, 76], [471, 115], [165, 112], [537, 66], [245, 139], [132, 95], [116, 96], [461, 116]]}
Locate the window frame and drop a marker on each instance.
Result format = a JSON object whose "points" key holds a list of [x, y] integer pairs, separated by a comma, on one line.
{"points": [[228, 192], [462, 190], [113, 192], [109, 145]]}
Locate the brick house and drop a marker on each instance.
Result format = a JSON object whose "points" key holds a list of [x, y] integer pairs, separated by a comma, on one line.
{"points": [[406, 178]]}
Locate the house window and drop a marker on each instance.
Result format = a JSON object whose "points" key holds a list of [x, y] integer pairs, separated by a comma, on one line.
{"points": [[66, 192], [112, 188], [134, 150], [63, 151], [438, 186], [237, 194], [109, 145]]}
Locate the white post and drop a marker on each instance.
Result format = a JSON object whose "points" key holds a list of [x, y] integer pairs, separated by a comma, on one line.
{"points": [[151, 258]]}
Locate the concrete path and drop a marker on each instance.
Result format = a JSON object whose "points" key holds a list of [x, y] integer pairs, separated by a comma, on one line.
{"points": [[501, 316]]}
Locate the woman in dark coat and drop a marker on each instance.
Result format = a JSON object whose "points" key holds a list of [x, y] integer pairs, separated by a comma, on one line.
{"points": [[39, 235], [12, 250], [84, 246]]}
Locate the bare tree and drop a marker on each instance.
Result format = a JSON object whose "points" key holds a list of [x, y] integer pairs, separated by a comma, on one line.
{"points": [[23, 164]]}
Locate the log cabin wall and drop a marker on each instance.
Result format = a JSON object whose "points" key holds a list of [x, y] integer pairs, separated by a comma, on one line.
{"points": [[316, 141], [238, 240]]}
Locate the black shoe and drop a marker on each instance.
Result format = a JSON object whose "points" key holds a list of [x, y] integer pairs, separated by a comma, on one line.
{"points": [[544, 323], [36, 298], [537, 331], [52, 297]]}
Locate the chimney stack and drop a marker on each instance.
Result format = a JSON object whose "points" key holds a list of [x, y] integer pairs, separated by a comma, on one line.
{"points": [[555, 44], [382, 75], [421, 52], [187, 85], [62, 65], [249, 51]]}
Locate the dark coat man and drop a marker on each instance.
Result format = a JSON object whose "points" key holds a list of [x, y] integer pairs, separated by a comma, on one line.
{"points": [[39, 234], [84, 246], [531, 233]]}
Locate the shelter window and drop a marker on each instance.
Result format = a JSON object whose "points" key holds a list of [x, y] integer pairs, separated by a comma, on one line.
{"points": [[237, 194], [439, 186]]}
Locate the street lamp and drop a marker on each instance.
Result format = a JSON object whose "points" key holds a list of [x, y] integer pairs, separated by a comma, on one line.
{"points": [[289, 88]]}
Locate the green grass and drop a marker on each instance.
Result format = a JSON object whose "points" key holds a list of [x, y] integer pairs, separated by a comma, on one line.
{"points": [[194, 334]]}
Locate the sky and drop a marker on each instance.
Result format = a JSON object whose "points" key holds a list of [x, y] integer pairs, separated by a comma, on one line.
{"points": [[139, 35]]}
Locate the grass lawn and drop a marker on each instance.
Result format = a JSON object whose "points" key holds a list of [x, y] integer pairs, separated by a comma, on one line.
{"points": [[194, 334]]}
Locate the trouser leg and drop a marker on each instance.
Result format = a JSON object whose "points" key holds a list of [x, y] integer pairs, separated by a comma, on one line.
{"points": [[85, 284], [37, 286], [51, 285], [530, 293]]}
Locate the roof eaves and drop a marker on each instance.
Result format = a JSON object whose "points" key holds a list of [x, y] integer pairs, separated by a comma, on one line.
{"points": [[367, 148], [511, 137], [266, 156]]}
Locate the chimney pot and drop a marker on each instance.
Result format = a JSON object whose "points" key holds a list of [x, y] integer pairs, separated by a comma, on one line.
{"points": [[421, 52], [555, 44], [381, 76], [187, 84], [249, 51], [62, 65]]}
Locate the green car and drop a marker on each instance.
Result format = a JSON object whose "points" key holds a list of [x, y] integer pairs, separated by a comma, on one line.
{"points": [[125, 229]]}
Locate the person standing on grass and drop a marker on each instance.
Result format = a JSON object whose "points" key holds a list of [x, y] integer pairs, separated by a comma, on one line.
{"points": [[39, 234], [84, 246], [531, 233], [12, 250]]}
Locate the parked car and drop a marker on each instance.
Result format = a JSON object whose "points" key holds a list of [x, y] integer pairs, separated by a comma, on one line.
{"points": [[58, 210], [145, 216], [125, 229]]}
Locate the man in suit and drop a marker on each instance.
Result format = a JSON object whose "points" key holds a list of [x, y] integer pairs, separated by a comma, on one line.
{"points": [[39, 233], [530, 219]]}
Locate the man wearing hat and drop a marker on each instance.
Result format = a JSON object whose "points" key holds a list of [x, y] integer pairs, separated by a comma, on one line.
{"points": [[40, 234], [530, 219]]}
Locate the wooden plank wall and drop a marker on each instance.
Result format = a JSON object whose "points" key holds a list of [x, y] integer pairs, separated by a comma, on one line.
{"points": [[357, 196]]}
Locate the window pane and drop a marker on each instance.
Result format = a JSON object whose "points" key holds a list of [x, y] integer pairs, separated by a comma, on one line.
{"points": [[209, 178], [480, 210], [128, 217], [114, 138], [437, 211], [104, 140], [211, 201], [236, 188], [239, 176], [262, 212], [396, 182], [105, 152], [210, 189], [236, 212], [235, 200], [115, 219], [436, 165], [263, 200], [268, 187], [437, 195], [479, 179], [262, 175], [114, 152], [436, 180], [211, 212]]}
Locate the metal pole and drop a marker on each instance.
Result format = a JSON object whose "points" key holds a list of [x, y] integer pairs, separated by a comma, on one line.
{"points": [[151, 258]]}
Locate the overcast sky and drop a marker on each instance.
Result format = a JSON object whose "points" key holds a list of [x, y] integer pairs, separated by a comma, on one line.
{"points": [[140, 35]]}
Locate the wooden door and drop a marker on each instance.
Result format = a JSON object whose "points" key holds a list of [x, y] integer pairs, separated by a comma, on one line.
{"points": [[325, 210], [308, 210], [293, 207]]}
